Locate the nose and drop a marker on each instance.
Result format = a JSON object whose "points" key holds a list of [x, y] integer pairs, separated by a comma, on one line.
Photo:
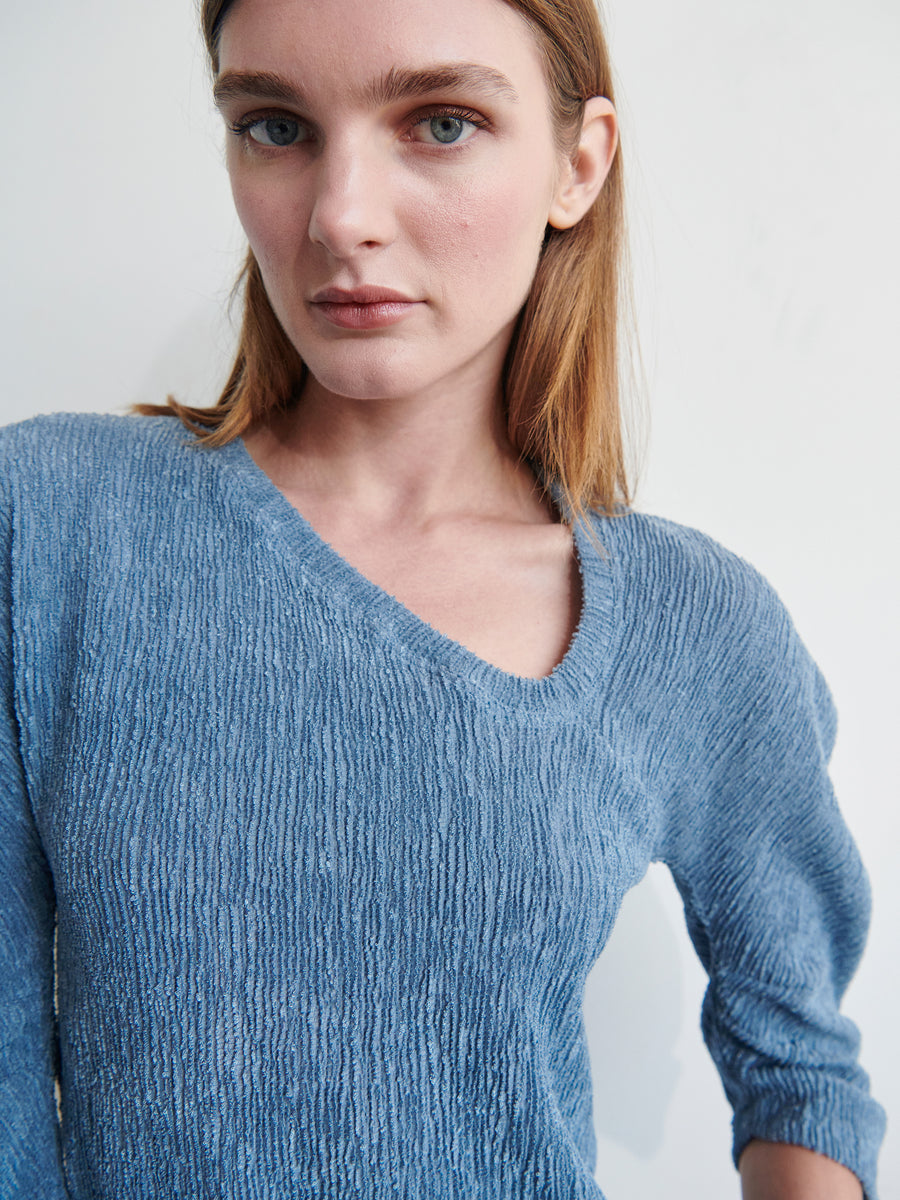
{"points": [[352, 207]]}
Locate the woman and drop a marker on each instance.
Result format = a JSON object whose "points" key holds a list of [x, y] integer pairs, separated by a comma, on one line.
{"points": [[337, 725]]}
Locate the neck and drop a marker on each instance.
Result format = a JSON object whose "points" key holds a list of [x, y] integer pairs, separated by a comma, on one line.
{"points": [[409, 461]]}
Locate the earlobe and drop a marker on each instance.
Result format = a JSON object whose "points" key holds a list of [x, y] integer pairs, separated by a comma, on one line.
{"points": [[590, 164]]}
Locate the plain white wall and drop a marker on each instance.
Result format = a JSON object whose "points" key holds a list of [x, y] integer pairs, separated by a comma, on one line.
{"points": [[761, 145]]}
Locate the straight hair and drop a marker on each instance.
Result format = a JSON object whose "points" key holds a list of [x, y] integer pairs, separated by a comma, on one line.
{"points": [[562, 374]]}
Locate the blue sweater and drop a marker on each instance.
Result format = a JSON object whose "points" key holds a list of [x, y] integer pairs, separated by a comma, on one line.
{"points": [[327, 886]]}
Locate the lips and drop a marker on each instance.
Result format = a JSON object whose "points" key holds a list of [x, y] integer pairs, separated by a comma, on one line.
{"points": [[360, 295], [367, 307]]}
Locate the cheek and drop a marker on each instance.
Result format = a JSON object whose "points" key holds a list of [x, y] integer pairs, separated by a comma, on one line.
{"points": [[268, 220], [492, 232]]}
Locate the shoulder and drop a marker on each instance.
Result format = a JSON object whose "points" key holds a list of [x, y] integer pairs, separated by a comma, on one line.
{"points": [[83, 442], [676, 577], [664, 561], [699, 622], [73, 462]]}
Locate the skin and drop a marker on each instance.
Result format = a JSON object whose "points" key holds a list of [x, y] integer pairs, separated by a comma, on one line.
{"points": [[397, 454], [367, 198], [771, 1171]]}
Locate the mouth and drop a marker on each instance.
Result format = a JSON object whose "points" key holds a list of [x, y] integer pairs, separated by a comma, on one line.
{"points": [[361, 295], [363, 307]]}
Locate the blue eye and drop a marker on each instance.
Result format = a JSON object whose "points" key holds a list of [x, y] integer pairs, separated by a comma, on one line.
{"points": [[446, 129], [275, 131]]}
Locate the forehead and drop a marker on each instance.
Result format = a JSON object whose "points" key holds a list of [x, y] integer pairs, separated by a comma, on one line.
{"points": [[346, 45]]}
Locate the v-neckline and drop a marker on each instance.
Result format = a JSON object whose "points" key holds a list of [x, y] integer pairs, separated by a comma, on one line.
{"points": [[325, 567]]}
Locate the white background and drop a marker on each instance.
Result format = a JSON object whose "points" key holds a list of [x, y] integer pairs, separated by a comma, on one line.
{"points": [[761, 145]]}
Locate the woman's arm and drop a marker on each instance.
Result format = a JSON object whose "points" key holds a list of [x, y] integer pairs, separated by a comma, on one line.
{"points": [[776, 897], [772, 1171], [30, 1151]]}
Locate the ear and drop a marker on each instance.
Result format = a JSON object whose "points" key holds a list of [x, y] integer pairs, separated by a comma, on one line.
{"points": [[585, 173]]}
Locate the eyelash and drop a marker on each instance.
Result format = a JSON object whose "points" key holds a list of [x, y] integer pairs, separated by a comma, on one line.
{"points": [[454, 112], [242, 128]]}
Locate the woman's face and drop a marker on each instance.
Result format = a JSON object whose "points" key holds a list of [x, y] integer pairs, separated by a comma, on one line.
{"points": [[394, 145]]}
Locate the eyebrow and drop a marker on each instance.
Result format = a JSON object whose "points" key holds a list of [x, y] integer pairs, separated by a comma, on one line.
{"points": [[399, 83]]}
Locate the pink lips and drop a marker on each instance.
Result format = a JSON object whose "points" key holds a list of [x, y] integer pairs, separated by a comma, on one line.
{"points": [[362, 307]]}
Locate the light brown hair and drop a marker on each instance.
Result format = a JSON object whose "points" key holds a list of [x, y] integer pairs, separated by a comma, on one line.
{"points": [[561, 377]]}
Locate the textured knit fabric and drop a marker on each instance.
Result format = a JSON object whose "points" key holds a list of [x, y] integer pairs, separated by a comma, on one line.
{"points": [[327, 886]]}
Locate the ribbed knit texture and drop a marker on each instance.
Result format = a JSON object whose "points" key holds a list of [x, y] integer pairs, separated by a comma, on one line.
{"points": [[328, 886]]}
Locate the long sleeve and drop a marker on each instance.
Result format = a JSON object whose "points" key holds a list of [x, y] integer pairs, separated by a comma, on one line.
{"points": [[30, 1160], [776, 898], [327, 885]]}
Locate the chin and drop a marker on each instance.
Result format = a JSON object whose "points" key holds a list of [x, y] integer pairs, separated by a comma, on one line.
{"points": [[366, 375], [362, 390]]}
